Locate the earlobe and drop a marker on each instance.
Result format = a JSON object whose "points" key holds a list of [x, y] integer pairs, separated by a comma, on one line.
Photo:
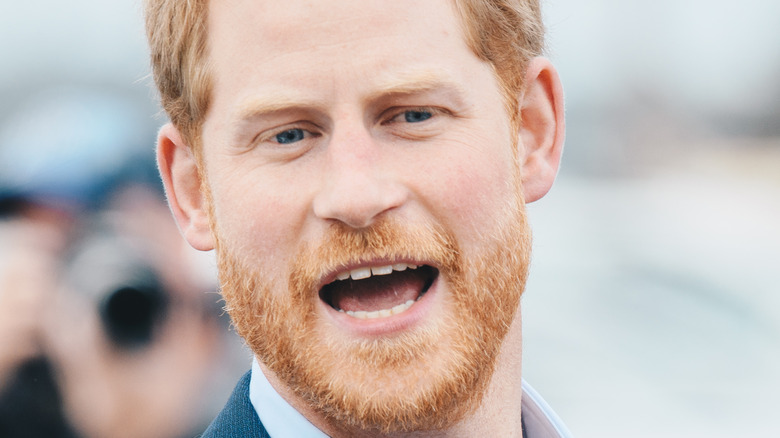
{"points": [[542, 128], [183, 187]]}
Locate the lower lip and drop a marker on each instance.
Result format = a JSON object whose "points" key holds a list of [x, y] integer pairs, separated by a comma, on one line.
{"points": [[389, 325]]}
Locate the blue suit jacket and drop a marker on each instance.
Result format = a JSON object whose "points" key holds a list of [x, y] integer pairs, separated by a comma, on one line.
{"points": [[238, 418]]}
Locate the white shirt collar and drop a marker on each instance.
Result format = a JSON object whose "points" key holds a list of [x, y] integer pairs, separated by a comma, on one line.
{"points": [[539, 418], [280, 419]]}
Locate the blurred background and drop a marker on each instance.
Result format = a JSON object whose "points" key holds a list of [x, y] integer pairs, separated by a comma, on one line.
{"points": [[653, 304], [653, 307]]}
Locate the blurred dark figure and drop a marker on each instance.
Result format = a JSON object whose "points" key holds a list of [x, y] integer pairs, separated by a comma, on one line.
{"points": [[30, 404], [30, 398], [103, 329]]}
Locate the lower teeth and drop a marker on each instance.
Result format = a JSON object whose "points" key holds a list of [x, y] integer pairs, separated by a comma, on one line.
{"points": [[384, 313]]}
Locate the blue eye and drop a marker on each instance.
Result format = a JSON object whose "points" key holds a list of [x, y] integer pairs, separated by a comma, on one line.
{"points": [[290, 136], [415, 116]]}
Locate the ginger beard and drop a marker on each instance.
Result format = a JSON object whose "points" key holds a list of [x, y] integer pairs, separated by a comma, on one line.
{"points": [[424, 378]]}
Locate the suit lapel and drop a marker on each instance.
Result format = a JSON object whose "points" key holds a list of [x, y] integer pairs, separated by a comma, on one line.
{"points": [[238, 418]]}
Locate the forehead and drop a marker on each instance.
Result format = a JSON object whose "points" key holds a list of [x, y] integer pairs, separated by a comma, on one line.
{"points": [[322, 45], [292, 23]]}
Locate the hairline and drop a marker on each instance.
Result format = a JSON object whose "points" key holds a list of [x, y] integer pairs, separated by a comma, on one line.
{"points": [[200, 88]]}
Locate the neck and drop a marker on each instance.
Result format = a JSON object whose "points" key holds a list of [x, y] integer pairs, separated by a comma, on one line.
{"points": [[499, 412], [497, 415]]}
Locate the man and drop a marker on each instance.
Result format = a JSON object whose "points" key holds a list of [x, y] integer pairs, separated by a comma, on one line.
{"points": [[361, 168]]}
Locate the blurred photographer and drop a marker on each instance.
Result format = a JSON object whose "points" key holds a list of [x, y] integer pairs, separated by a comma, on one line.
{"points": [[105, 329]]}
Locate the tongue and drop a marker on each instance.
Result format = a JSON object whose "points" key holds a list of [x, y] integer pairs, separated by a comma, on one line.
{"points": [[377, 292]]}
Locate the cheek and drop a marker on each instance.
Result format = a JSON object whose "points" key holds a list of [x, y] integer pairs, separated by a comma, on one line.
{"points": [[471, 193], [255, 218]]}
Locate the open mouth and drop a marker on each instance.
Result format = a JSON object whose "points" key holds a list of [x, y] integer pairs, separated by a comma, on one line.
{"points": [[371, 292]]}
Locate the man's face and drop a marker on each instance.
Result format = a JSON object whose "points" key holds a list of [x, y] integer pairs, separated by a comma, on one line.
{"points": [[364, 139]]}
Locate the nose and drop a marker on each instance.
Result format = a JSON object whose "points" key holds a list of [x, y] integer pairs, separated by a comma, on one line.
{"points": [[358, 184]]}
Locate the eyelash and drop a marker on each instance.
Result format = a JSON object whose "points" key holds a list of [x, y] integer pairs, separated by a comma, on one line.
{"points": [[308, 132], [405, 111], [272, 136]]}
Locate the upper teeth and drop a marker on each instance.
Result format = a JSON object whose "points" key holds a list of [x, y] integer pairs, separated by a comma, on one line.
{"points": [[365, 272]]}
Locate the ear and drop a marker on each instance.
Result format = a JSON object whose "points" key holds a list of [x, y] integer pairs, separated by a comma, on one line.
{"points": [[542, 128], [183, 187]]}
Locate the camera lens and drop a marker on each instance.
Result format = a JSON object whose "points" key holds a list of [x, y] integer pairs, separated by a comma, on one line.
{"points": [[130, 314]]}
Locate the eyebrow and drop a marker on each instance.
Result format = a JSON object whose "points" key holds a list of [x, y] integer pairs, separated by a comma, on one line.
{"points": [[404, 84], [417, 83], [255, 108]]}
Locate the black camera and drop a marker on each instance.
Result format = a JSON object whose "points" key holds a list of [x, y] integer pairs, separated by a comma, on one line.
{"points": [[114, 272], [133, 308]]}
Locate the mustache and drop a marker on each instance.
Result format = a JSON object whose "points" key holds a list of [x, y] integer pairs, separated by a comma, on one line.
{"points": [[386, 240]]}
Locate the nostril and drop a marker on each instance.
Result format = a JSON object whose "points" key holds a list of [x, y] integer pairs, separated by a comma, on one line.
{"points": [[357, 200]]}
